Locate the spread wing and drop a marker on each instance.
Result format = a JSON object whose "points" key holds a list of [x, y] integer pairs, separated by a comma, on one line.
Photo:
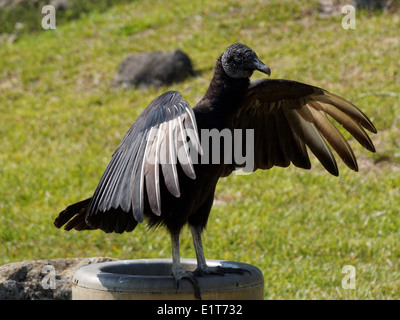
{"points": [[287, 116], [165, 127]]}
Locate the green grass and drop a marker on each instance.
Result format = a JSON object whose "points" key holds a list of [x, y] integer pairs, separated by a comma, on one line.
{"points": [[61, 120]]}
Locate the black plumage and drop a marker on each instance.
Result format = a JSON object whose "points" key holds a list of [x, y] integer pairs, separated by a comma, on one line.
{"points": [[153, 175]]}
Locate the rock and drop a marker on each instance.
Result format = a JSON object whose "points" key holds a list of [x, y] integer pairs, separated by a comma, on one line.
{"points": [[41, 279], [372, 4], [60, 4], [334, 7], [153, 69]]}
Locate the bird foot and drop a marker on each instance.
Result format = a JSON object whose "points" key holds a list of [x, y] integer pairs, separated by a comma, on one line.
{"points": [[218, 270], [179, 273]]}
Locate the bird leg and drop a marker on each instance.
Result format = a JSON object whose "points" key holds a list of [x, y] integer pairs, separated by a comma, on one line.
{"points": [[202, 268], [178, 271]]}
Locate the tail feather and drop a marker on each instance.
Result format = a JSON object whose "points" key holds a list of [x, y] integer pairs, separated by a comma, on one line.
{"points": [[73, 217], [112, 220]]}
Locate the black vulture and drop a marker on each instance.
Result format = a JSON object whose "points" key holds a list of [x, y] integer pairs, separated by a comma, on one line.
{"points": [[153, 175]]}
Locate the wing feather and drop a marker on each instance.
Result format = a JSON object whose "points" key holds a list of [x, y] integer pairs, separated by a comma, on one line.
{"points": [[169, 165], [287, 116], [311, 136], [335, 139], [350, 125], [152, 172], [134, 169], [183, 150]]}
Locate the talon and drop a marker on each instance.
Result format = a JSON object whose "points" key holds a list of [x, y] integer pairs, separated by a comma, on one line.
{"points": [[179, 273]]}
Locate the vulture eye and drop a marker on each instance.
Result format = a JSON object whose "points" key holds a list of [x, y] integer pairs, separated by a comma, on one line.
{"points": [[238, 58]]}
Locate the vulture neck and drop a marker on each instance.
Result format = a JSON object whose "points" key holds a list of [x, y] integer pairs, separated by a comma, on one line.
{"points": [[224, 95]]}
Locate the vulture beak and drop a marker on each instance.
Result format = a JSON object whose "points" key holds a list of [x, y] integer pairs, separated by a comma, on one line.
{"points": [[258, 65]]}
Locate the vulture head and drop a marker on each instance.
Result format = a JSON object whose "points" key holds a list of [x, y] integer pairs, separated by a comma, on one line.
{"points": [[239, 61]]}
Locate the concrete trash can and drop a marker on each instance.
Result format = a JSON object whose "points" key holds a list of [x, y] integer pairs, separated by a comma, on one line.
{"points": [[151, 279]]}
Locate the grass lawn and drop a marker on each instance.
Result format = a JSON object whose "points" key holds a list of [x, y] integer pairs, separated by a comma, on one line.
{"points": [[61, 120]]}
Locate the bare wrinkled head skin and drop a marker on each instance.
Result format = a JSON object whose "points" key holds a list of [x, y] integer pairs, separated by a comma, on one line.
{"points": [[239, 61]]}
